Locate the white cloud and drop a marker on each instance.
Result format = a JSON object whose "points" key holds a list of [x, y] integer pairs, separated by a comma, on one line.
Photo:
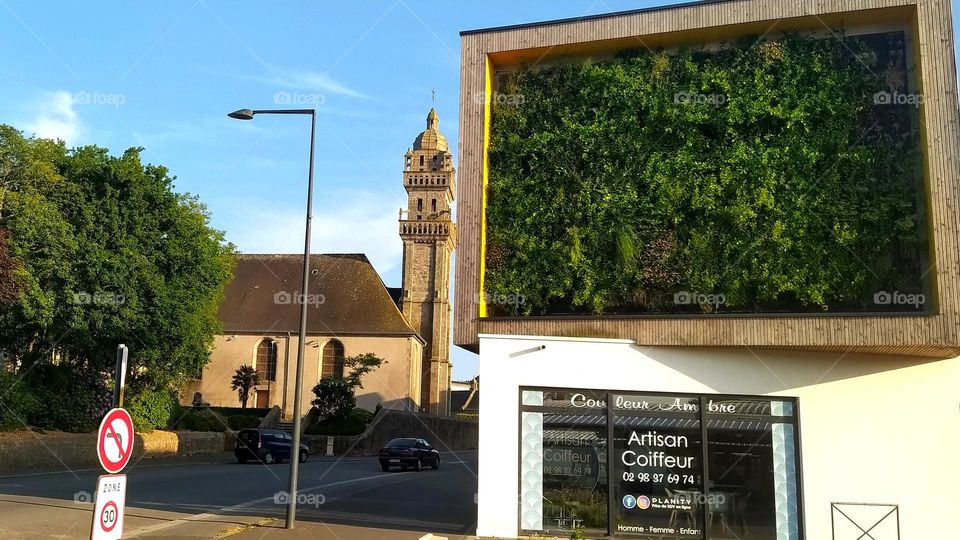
{"points": [[56, 118], [301, 79], [312, 80], [365, 223]]}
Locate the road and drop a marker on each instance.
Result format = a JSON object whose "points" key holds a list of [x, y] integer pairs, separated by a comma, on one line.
{"points": [[211, 496]]}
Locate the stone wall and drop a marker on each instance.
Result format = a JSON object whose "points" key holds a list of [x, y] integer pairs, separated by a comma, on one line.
{"points": [[444, 434], [31, 450]]}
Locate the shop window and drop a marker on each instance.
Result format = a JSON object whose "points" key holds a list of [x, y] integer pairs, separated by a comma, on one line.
{"points": [[658, 449], [750, 459], [564, 480], [658, 466]]}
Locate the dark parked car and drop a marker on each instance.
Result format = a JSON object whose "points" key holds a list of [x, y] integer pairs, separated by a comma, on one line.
{"points": [[409, 454], [266, 445]]}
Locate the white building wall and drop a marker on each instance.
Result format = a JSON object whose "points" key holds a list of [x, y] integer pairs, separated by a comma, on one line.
{"points": [[873, 429]]}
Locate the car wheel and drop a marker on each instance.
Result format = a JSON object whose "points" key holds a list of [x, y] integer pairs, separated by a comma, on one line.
{"points": [[303, 456], [436, 464], [384, 467], [241, 459], [418, 465], [268, 458]]}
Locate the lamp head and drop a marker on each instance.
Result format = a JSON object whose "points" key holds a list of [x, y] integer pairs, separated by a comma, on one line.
{"points": [[242, 114]]}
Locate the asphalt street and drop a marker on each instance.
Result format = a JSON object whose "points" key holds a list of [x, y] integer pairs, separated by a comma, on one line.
{"points": [[211, 496]]}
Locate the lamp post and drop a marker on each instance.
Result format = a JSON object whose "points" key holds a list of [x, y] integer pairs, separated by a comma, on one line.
{"points": [[248, 114]]}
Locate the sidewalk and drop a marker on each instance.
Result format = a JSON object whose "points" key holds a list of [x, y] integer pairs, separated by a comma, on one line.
{"points": [[312, 531]]}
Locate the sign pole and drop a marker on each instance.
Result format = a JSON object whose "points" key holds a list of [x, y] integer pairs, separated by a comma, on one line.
{"points": [[120, 375], [115, 441]]}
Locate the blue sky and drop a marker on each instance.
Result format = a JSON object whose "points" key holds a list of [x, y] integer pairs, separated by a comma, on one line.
{"points": [[163, 75]]}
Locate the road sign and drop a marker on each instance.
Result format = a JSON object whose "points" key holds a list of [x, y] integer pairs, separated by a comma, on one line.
{"points": [[115, 440], [120, 375], [108, 510]]}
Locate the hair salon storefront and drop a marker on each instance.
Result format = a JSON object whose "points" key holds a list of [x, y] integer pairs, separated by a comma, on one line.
{"points": [[650, 465], [615, 439]]}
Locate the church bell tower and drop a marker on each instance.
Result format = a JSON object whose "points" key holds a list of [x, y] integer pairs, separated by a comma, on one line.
{"points": [[429, 235]]}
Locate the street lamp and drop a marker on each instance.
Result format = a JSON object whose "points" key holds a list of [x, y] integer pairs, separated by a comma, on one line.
{"points": [[248, 114]]}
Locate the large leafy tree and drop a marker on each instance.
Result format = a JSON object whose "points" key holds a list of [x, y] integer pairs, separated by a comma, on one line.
{"points": [[9, 285], [106, 252]]}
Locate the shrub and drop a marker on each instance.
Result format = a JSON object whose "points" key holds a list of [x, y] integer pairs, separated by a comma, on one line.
{"points": [[240, 411], [363, 414], [16, 402], [151, 409], [68, 397], [238, 422], [353, 424], [201, 420]]}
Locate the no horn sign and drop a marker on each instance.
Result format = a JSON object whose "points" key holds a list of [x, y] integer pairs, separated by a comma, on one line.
{"points": [[115, 440]]}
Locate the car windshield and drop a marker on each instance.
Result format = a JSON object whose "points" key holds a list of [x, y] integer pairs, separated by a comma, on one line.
{"points": [[248, 436], [402, 443]]}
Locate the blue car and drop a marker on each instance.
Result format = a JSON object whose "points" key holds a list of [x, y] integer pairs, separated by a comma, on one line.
{"points": [[266, 445]]}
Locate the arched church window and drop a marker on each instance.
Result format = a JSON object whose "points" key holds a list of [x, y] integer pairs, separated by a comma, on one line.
{"points": [[433, 205], [332, 360], [419, 205], [267, 359]]}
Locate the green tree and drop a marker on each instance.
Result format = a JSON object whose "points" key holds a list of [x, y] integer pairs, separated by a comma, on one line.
{"points": [[336, 396], [106, 252], [359, 365], [245, 378], [9, 282]]}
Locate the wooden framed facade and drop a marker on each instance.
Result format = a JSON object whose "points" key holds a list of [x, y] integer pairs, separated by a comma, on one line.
{"points": [[933, 334]]}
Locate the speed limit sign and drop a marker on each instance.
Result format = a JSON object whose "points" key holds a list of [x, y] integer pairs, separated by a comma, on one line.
{"points": [[108, 507]]}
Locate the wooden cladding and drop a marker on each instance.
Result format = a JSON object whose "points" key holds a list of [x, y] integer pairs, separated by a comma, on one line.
{"points": [[933, 335]]}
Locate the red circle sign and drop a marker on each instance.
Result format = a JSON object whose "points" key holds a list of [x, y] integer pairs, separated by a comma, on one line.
{"points": [[109, 516], [115, 440]]}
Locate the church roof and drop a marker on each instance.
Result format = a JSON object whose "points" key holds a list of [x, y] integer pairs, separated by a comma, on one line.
{"points": [[431, 138], [349, 297]]}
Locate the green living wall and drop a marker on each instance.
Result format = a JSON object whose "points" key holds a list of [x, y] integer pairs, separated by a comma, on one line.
{"points": [[773, 176]]}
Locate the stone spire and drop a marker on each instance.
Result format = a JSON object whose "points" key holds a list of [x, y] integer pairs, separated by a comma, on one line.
{"points": [[431, 138]]}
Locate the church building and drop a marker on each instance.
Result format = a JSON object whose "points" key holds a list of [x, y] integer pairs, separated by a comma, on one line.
{"points": [[350, 309]]}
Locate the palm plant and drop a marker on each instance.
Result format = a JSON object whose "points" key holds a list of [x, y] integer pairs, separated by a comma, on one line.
{"points": [[244, 379]]}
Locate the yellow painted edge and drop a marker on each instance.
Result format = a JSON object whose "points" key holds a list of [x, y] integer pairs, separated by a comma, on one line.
{"points": [[485, 175], [932, 252]]}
